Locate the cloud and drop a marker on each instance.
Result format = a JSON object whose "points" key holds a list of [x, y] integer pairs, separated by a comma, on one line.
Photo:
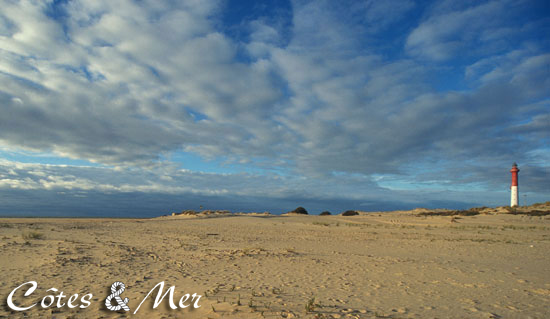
{"points": [[369, 115], [121, 94], [65, 190], [457, 30], [168, 179], [311, 96]]}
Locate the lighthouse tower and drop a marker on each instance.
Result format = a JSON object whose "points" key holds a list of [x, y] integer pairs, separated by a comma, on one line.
{"points": [[514, 199]]}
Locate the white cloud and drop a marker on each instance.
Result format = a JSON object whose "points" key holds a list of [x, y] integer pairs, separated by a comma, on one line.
{"points": [[113, 83], [452, 31], [166, 179]]}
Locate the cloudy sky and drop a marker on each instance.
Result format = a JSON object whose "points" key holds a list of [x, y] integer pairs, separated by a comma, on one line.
{"points": [[141, 108]]}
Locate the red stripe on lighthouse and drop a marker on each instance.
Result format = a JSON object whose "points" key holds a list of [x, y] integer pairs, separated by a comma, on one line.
{"points": [[514, 172]]}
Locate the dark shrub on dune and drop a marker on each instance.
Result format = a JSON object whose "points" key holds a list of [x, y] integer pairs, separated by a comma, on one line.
{"points": [[468, 212], [326, 213], [350, 213], [531, 213], [299, 210]]}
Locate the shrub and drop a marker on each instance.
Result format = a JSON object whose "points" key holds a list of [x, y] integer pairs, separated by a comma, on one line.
{"points": [[467, 212], [299, 210], [32, 235], [325, 213], [310, 305], [350, 213]]}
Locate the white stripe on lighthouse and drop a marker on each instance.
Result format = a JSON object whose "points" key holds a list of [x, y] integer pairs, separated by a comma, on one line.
{"points": [[514, 196]]}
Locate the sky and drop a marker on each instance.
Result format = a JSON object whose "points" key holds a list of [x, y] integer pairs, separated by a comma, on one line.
{"points": [[142, 108]]}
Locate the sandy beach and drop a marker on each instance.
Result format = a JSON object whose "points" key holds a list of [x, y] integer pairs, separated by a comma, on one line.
{"points": [[376, 265]]}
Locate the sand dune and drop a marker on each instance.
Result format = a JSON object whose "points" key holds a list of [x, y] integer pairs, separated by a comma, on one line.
{"points": [[391, 265]]}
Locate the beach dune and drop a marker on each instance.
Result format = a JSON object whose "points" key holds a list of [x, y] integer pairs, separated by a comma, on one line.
{"points": [[377, 265]]}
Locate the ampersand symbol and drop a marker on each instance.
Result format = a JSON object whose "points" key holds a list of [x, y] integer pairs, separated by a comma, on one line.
{"points": [[116, 294]]}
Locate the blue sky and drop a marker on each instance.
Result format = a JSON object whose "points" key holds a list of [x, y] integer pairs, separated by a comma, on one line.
{"points": [[140, 108]]}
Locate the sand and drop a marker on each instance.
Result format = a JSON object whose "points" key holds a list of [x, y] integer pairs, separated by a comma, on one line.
{"points": [[391, 265]]}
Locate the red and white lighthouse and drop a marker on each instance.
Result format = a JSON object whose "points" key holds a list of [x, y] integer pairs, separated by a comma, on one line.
{"points": [[514, 199]]}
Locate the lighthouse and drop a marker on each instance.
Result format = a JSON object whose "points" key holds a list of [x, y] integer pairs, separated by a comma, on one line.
{"points": [[514, 199]]}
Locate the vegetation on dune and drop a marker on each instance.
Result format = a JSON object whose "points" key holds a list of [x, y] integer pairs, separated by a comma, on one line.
{"points": [[467, 212], [538, 209], [350, 213], [299, 210], [32, 235]]}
